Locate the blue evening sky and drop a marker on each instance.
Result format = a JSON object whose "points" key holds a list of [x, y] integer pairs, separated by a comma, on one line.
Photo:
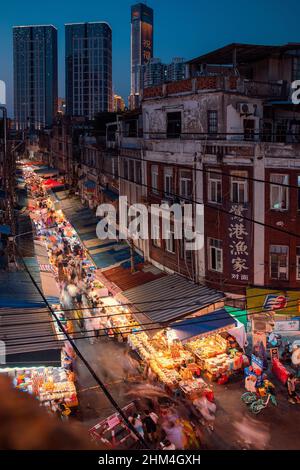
{"points": [[184, 28]]}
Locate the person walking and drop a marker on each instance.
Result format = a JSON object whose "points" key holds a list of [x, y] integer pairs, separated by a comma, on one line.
{"points": [[150, 426], [137, 423]]}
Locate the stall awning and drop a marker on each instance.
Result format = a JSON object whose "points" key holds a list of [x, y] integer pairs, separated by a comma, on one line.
{"points": [[29, 337], [47, 171], [90, 185], [188, 298], [51, 183], [202, 325]]}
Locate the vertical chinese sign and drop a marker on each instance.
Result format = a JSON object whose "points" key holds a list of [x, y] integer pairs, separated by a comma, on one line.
{"points": [[239, 243], [147, 46]]}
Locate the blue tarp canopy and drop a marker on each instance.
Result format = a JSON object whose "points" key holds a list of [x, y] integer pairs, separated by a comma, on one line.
{"points": [[203, 325], [89, 184], [5, 229], [46, 171]]}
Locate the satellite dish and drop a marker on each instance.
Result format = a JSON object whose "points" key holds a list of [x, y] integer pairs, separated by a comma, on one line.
{"points": [[296, 357]]}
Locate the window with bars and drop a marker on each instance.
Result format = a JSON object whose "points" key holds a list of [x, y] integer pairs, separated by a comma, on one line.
{"points": [[279, 194], [239, 187], [215, 255], [138, 172], [214, 187], [125, 169], [212, 122], [298, 263], [155, 234], [170, 241], [168, 181], [154, 178], [185, 184], [279, 262]]}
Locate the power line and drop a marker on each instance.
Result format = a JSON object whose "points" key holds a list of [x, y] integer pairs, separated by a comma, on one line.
{"points": [[211, 206], [162, 326], [86, 363]]}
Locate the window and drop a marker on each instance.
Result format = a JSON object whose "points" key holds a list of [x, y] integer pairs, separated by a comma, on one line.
{"points": [[279, 194], [173, 125], [185, 183], [170, 241], [215, 254], [214, 187], [279, 262], [281, 131], [114, 167], [296, 68], [131, 170], [185, 253], [138, 172], [155, 235], [249, 129], [154, 178], [239, 187], [125, 169], [212, 122], [298, 263], [168, 181]]}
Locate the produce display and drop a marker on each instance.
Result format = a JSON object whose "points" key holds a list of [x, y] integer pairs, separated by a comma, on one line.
{"points": [[46, 383], [210, 346]]}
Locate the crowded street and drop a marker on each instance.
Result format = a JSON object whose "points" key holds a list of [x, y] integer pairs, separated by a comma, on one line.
{"points": [[216, 418]]}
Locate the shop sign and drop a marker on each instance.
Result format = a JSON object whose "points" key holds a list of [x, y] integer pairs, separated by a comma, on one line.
{"points": [[239, 242], [291, 325], [274, 353], [257, 362], [275, 302]]}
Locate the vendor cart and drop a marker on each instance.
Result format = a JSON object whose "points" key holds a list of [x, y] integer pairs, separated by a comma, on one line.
{"points": [[113, 433]]}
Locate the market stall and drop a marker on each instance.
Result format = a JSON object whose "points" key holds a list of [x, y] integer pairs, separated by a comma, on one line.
{"points": [[45, 383], [207, 338]]}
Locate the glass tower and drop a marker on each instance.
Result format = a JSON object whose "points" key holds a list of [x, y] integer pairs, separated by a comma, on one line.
{"points": [[35, 75], [88, 69], [141, 46]]}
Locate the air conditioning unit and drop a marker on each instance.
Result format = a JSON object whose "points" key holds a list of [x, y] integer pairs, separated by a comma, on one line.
{"points": [[246, 108]]}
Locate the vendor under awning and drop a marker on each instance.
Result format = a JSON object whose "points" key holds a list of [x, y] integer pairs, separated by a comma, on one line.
{"points": [[90, 185], [204, 325]]}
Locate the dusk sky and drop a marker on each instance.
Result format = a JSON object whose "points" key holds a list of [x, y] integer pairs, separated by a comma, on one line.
{"points": [[185, 28]]}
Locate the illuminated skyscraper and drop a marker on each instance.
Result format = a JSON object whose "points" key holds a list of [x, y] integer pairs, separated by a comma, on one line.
{"points": [[35, 75], [88, 69], [141, 47]]}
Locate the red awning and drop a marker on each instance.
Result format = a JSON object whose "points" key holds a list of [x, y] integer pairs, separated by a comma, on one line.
{"points": [[52, 183]]}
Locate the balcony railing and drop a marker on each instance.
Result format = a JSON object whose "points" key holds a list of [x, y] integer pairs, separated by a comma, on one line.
{"points": [[251, 88]]}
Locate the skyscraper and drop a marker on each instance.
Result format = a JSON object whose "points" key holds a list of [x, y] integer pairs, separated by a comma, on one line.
{"points": [[154, 73], [177, 69], [88, 68], [141, 47], [35, 75]]}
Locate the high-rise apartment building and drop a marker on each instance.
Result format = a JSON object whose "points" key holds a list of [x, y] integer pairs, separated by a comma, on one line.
{"points": [[88, 69], [141, 47], [176, 70], [35, 75], [154, 73]]}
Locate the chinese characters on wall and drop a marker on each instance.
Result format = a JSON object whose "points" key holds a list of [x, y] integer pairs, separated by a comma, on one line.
{"points": [[239, 235]]}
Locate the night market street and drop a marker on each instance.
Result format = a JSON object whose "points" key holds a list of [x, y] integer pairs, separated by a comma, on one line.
{"points": [[149, 233]]}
